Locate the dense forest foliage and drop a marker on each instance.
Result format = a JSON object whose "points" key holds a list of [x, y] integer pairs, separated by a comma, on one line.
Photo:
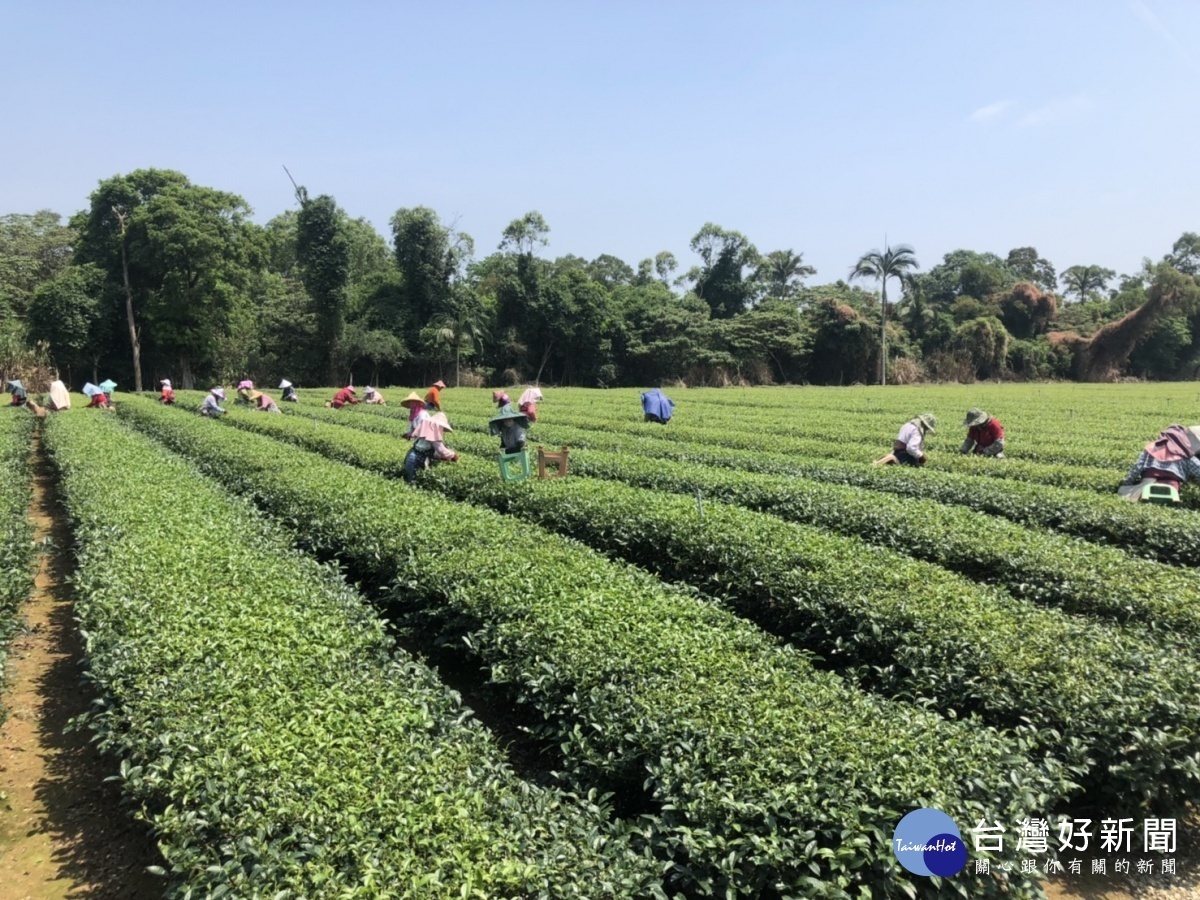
{"points": [[159, 277]]}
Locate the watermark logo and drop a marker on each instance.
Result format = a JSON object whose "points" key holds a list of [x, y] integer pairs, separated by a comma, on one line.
{"points": [[927, 842]]}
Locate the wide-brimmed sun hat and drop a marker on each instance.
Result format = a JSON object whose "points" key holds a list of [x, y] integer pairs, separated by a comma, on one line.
{"points": [[1194, 436], [412, 400], [928, 421], [975, 416], [219, 393], [439, 385], [1173, 444]]}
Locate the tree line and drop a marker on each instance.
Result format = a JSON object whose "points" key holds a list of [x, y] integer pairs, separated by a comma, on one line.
{"points": [[162, 278]]}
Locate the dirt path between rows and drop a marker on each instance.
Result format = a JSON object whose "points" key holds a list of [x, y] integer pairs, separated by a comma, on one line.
{"points": [[63, 831]]}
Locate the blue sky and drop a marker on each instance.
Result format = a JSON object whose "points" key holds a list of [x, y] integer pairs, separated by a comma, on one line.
{"points": [[820, 127]]}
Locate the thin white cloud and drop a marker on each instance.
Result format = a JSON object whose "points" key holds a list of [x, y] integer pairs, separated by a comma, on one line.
{"points": [[990, 111], [1058, 110], [1147, 15]]}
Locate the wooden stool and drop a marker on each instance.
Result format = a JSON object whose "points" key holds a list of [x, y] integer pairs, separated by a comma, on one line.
{"points": [[558, 461]]}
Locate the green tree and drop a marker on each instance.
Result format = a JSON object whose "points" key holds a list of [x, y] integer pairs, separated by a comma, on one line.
{"points": [[660, 335], [527, 320], [724, 280], [1086, 281], [1162, 352], [34, 249], [323, 253], [782, 271], [69, 316], [984, 342], [769, 342], [103, 231], [377, 347], [1185, 253], [522, 235], [199, 248], [430, 256], [176, 254], [664, 264], [843, 345], [461, 327], [610, 271], [965, 273], [1026, 265], [891, 263]]}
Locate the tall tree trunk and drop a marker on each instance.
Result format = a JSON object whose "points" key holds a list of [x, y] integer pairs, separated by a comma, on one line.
{"points": [[883, 338], [133, 332], [545, 357], [457, 365], [187, 380]]}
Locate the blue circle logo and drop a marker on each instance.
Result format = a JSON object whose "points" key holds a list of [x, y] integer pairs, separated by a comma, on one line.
{"points": [[927, 842]]}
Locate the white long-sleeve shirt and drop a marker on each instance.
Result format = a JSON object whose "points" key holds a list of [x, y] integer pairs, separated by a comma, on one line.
{"points": [[912, 439]]}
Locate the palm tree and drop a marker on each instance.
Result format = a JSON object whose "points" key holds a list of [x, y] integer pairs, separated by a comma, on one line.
{"points": [[893, 262], [779, 267], [460, 327]]}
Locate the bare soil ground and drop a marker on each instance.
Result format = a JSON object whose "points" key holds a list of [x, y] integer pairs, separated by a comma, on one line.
{"points": [[63, 830]]}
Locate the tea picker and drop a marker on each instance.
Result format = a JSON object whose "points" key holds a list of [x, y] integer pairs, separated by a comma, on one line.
{"points": [[263, 402], [509, 425], [245, 388], [212, 403], [1163, 466], [344, 396], [528, 403], [657, 407], [909, 447], [429, 447], [99, 394], [19, 395], [433, 397], [21, 398], [985, 435]]}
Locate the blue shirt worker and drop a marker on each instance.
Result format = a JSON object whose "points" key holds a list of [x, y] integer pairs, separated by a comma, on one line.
{"points": [[657, 407]]}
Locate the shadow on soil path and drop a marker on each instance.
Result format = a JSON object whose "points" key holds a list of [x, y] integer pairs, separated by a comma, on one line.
{"points": [[63, 831]]}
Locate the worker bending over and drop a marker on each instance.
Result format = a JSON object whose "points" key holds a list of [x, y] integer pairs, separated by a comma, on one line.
{"points": [[372, 396], [1168, 460], [344, 396], [528, 402], [433, 397], [167, 394], [289, 392], [212, 403], [263, 403], [429, 445], [909, 447], [985, 434], [656, 407], [509, 425]]}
